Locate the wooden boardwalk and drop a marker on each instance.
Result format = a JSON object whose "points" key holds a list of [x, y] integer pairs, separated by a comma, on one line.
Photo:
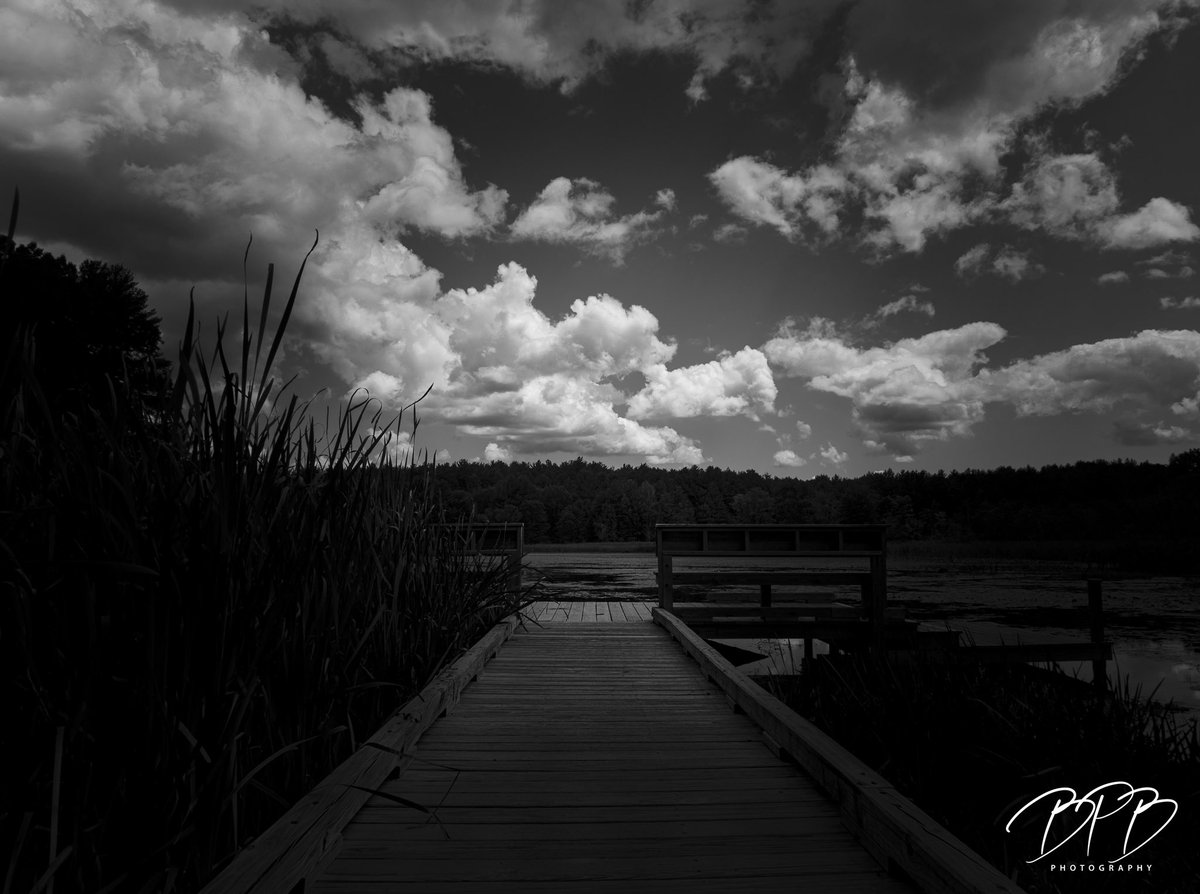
{"points": [[593, 755]]}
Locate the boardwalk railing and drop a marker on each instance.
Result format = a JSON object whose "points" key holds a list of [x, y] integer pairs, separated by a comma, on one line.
{"points": [[505, 540], [754, 542], [299, 843], [901, 836]]}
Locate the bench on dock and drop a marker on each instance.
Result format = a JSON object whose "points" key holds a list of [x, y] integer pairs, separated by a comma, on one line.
{"points": [[675, 543], [504, 540]]}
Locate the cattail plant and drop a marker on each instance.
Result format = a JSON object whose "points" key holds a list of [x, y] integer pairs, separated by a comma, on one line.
{"points": [[205, 605]]}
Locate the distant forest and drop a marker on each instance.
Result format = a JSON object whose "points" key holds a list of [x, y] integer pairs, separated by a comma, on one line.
{"points": [[1154, 505]]}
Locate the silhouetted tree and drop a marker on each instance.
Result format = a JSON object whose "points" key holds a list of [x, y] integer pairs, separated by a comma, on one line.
{"points": [[89, 329]]}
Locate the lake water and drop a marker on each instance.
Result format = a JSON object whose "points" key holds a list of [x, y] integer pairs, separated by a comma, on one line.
{"points": [[1152, 622]]}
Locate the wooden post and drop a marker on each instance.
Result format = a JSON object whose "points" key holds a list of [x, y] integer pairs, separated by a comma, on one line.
{"points": [[878, 599], [1096, 623], [666, 598]]}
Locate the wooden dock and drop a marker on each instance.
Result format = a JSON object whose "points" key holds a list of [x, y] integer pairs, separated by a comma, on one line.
{"points": [[591, 754], [602, 746]]}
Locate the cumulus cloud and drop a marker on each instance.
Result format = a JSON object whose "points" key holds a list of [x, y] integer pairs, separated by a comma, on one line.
{"points": [[1187, 303], [912, 391], [1015, 265], [1076, 197], [183, 130], [172, 135], [1152, 369], [831, 454], [923, 131], [580, 212], [733, 384], [803, 430], [494, 453], [789, 459], [1159, 222], [1141, 434], [919, 390], [792, 204], [1109, 279]]}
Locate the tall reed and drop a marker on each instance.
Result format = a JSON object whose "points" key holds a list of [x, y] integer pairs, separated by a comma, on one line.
{"points": [[971, 743], [206, 605]]}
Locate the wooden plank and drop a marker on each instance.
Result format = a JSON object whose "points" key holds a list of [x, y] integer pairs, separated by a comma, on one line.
{"points": [[840, 883], [300, 840], [889, 824], [584, 756], [775, 578], [551, 867]]}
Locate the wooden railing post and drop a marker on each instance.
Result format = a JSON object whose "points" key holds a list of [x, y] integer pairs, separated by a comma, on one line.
{"points": [[1096, 624]]}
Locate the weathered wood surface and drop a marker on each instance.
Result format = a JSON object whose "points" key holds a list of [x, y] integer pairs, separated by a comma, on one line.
{"points": [[592, 755], [889, 824], [579, 611], [309, 833]]}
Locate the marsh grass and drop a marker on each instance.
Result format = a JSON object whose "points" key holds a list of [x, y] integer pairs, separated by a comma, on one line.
{"points": [[971, 743], [208, 602]]}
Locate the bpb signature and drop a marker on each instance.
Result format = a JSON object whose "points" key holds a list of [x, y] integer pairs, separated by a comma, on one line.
{"points": [[1114, 808]]}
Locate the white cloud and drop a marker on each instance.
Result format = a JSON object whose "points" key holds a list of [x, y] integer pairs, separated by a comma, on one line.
{"points": [[1141, 434], [494, 453], [1158, 222], [903, 394], [1159, 273], [1187, 303], [831, 454], [665, 199], [1075, 197], [972, 261], [922, 158], [903, 304], [729, 233], [734, 384], [1116, 276], [789, 459], [935, 387], [1015, 265], [803, 430], [793, 205], [580, 212], [1151, 370]]}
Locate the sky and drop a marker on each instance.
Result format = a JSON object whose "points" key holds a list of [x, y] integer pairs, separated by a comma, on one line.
{"points": [[802, 238]]}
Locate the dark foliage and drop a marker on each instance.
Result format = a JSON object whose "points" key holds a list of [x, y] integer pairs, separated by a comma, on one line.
{"points": [[97, 340], [972, 743], [1136, 514]]}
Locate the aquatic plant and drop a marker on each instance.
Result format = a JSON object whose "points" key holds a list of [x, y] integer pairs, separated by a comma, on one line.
{"points": [[970, 743], [205, 605]]}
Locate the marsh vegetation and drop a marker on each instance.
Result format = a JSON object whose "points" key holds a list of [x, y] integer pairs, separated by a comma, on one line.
{"points": [[209, 599]]}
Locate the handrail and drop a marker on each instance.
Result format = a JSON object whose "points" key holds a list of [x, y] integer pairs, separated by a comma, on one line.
{"points": [[305, 838], [772, 541], [892, 828]]}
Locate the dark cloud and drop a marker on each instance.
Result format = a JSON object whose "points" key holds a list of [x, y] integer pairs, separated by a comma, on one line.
{"points": [[944, 51]]}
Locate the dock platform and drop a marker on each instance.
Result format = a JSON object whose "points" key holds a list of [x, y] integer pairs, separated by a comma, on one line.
{"points": [[592, 755]]}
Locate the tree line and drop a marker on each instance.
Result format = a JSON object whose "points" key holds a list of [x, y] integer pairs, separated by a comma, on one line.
{"points": [[1096, 501]]}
